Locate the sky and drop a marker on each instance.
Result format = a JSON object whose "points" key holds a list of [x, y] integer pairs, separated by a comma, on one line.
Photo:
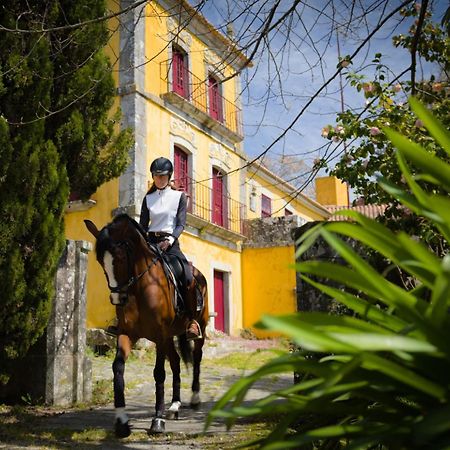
{"points": [[301, 72]]}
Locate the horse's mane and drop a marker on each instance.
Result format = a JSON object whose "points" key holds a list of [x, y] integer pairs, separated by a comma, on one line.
{"points": [[129, 219], [104, 238]]}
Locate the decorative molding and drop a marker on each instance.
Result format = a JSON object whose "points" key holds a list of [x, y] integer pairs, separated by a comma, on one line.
{"points": [[180, 37], [219, 153], [180, 128], [214, 65]]}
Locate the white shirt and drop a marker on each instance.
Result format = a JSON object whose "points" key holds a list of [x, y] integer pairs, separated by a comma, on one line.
{"points": [[163, 207]]}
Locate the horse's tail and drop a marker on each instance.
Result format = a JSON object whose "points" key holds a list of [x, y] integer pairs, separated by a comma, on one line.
{"points": [[185, 348]]}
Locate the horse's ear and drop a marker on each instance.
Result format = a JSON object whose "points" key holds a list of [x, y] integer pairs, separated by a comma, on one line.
{"points": [[91, 227]]}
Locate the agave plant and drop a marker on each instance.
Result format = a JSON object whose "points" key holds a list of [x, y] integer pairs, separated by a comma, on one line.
{"points": [[385, 380]]}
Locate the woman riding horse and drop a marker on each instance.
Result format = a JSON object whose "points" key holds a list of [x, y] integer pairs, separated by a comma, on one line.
{"points": [[165, 209], [145, 308]]}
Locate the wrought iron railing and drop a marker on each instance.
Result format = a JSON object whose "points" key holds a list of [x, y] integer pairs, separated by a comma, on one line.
{"points": [[222, 211], [195, 91]]}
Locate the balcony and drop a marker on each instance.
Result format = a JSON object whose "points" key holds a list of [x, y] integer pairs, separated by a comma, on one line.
{"points": [[193, 97], [218, 215]]}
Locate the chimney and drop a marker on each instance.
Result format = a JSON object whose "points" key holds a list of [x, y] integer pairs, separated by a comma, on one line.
{"points": [[331, 191]]}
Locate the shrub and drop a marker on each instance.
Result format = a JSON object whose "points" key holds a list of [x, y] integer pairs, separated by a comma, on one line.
{"points": [[385, 380]]}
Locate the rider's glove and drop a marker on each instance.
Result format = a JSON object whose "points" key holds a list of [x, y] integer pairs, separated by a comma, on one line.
{"points": [[164, 245]]}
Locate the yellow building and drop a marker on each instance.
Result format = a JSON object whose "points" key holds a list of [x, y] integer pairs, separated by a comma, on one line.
{"points": [[173, 72]]}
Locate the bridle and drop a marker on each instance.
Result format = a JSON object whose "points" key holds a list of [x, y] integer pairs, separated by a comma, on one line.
{"points": [[123, 288]]}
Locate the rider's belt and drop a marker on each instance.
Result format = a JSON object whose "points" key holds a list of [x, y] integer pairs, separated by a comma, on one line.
{"points": [[158, 234]]}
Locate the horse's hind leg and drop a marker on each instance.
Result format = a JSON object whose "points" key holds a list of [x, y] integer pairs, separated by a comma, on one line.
{"points": [[121, 427], [197, 357], [174, 360], [159, 374]]}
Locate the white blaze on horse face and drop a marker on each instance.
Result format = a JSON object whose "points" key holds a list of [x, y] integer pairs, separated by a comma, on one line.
{"points": [[109, 269]]}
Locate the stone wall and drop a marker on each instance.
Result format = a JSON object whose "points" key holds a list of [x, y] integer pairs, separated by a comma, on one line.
{"points": [[56, 370], [271, 231]]}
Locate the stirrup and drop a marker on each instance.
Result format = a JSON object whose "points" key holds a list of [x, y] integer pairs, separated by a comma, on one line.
{"points": [[190, 336]]}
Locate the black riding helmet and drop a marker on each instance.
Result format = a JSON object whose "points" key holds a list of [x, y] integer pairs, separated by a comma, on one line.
{"points": [[161, 166]]}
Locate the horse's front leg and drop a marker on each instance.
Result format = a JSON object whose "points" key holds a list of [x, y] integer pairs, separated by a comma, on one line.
{"points": [[174, 360], [159, 374], [121, 427]]}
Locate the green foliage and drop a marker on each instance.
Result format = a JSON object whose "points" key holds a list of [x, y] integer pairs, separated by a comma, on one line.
{"points": [[368, 151], [384, 380], [56, 135]]}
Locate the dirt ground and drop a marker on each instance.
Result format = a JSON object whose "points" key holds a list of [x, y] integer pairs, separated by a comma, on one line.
{"points": [[226, 360]]}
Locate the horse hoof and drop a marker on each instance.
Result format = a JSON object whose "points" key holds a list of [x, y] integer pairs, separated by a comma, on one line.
{"points": [[122, 430], [172, 415], [158, 426], [195, 406]]}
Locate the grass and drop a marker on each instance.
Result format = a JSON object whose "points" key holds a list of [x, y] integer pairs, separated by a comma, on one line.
{"points": [[245, 360]]}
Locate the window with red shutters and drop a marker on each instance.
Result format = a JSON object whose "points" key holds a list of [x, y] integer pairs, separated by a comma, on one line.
{"points": [[180, 76], [266, 206], [215, 99], [219, 200], [180, 172]]}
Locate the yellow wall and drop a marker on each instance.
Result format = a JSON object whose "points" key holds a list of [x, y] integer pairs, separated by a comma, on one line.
{"points": [[268, 284], [331, 191]]}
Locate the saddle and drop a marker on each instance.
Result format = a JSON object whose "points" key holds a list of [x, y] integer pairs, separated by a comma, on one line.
{"points": [[174, 271], [176, 274]]}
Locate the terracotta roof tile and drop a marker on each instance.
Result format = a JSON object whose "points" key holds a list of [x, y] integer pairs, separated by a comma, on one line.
{"points": [[371, 211]]}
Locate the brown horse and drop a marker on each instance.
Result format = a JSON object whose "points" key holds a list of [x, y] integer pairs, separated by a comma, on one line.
{"points": [[144, 299]]}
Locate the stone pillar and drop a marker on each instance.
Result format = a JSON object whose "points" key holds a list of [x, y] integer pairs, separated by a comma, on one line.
{"points": [[56, 369], [133, 183], [68, 376]]}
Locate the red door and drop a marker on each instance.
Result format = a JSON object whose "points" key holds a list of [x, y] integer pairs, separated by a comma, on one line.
{"points": [[215, 100], [219, 297], [179, 73], [218, 198]]}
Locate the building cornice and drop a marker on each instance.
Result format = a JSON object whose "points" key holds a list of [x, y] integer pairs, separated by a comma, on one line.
{"points": [[200, 26], [268, 176]]}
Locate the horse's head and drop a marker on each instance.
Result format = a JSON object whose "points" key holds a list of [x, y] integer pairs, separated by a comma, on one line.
{"points": [[116, 248]]}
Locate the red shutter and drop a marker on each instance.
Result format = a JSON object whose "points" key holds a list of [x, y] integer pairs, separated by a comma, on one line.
{"points": [[266, 206], [215, 100], [181, 174], [219, 303], [179, 73], [181, 177], [218, 201]]}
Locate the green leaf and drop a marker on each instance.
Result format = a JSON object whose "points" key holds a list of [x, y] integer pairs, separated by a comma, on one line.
{"points": [[413, 256], [435, 127], [389, 292], [432, 165], [440, 300], [306, 336], [362, 307], [397, 372]]}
